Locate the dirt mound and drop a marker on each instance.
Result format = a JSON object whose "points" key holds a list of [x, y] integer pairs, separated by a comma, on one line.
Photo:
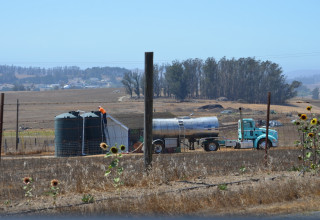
{"points": [[215, 106]]}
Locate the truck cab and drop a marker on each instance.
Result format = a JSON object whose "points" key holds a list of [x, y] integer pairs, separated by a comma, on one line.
{"points": [[255, 136]]}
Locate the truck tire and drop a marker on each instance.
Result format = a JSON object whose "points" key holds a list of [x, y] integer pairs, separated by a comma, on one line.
{"points": [[158, 147], [262, 144], [212, 146]]}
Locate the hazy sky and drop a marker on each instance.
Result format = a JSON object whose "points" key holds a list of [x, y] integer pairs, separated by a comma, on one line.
{"points": [[117, 33]]}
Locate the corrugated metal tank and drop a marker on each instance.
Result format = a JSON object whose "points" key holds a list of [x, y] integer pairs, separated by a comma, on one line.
{"points": [[191, 127], [68, 134], [92, 133]]}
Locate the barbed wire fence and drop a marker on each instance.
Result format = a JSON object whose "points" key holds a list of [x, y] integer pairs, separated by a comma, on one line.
{"points": [[36, 136]]}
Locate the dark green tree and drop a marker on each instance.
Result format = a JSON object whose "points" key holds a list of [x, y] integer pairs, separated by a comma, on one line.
{"points": [[209, 81], [176, 80]]}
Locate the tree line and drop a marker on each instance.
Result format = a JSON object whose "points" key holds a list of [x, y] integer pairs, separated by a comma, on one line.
{"points": [[247, 79]]}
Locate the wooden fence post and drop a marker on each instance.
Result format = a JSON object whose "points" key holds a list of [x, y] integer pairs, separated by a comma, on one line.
{"points": [[148, 107], [267, 130], [1, 120], [17, 126]]}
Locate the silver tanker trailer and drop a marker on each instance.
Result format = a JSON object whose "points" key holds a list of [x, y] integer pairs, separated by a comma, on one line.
{"points": [[171, 133]]}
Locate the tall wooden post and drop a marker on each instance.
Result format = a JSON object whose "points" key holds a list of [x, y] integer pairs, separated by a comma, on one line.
{"points": [[1, 120], [17, 126], [267, 130], [148, 107]]}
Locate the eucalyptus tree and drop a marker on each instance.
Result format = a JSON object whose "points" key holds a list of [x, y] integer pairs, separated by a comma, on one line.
{"points": [[209, 81], [156, 80], [192, 72], [176, 80]]}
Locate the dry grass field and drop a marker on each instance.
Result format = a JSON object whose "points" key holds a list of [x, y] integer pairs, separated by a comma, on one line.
{"points": [[226, 182]]}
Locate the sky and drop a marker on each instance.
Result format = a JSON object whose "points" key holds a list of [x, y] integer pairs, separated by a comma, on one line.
{"points": [[117, 33]]}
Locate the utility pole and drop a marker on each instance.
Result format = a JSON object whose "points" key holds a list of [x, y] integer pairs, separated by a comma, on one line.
{"points": [[17, 126], [1, 120], [148, 109], [267, 130]]}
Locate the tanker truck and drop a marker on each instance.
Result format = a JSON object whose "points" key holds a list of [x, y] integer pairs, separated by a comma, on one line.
{"points": [[171, 133]]}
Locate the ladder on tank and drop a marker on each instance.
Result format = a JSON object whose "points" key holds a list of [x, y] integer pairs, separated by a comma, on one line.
{"points": [[104, 131], [182, 134]]}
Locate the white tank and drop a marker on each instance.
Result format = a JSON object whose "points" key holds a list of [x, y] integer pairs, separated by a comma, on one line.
{"points": [[190, 127]]}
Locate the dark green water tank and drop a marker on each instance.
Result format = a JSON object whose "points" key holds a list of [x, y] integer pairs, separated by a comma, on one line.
{"points": [[92, 133], [68, 134]]}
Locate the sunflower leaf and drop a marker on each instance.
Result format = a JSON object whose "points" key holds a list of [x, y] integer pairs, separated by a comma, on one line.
{"points": [[107, 172], [308, 155]]}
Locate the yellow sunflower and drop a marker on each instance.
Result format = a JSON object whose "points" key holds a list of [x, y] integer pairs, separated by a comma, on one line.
{"points": [[122, 147], [27, 180], [114, 150], [54, 183], [309, 108], [104, 146], [303, 117], [311, 135], [314, 121]]}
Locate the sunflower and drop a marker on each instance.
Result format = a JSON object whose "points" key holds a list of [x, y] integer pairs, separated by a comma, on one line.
{"points": [[299, 115], [122, 147], [114, 150], [297, 123], [311, 135], [54, 183], [314, 121], [303, 117], [309, 108], [104, 146], [27, 180]]}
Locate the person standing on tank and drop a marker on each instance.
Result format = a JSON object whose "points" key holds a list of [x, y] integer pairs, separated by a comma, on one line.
{"points": [[104, 115]]}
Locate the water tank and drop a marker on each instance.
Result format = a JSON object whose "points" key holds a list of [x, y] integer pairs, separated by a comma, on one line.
{"points": [[92, 133], [68, 134], [191, 127]]}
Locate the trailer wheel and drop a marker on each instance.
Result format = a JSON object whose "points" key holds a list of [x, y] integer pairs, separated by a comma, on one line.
{"points": [[158, 148], [212, 146], [262, 144]]}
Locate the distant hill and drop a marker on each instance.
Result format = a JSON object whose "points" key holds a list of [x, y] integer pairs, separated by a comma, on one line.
{"points": [[307, 77]]}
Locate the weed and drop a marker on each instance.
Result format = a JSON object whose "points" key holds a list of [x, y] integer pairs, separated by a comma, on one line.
{"points": [[87, 198], [243, 169], [222, 186]]}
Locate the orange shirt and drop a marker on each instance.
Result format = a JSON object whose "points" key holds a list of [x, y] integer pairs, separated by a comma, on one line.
{"points": [[102, 110]]}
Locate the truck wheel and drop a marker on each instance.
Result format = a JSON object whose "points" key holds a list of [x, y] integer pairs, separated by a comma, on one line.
{"points": [[158, 148], [212, 146], [262, 144]]}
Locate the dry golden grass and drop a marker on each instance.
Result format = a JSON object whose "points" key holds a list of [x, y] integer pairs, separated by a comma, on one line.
{"points": [[179, 184]]}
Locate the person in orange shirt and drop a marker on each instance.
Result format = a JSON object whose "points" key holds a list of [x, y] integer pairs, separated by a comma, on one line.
{"points": [[104, 115]]}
